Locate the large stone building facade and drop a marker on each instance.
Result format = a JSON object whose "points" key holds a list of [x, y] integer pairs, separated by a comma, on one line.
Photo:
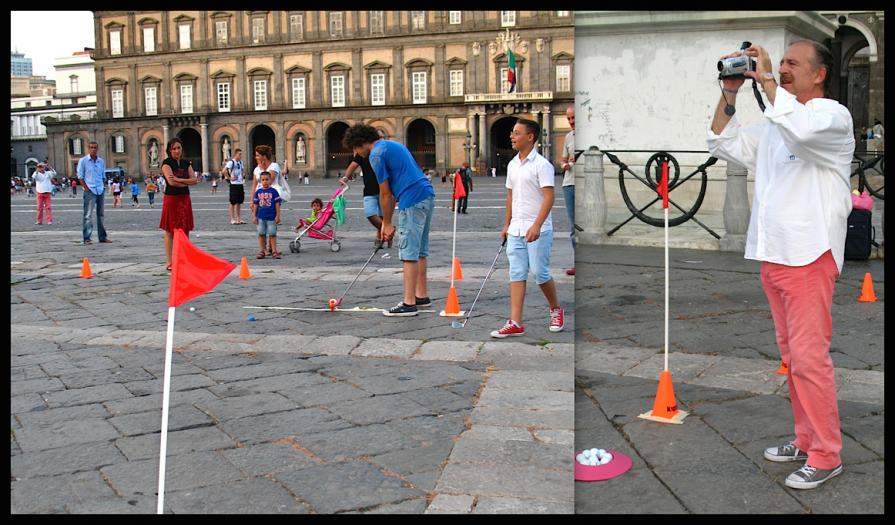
{"points": [[296, 80]]}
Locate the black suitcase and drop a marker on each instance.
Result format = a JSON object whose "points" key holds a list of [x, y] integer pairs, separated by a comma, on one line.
{"points": [[859, 236]]}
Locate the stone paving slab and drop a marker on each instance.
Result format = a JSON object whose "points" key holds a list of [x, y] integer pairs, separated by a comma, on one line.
{"points": [[186, 471], [63, 433], [451, 504], [66, 459], [148, 446], [270, 458], [244, 406], [53, 415], [250, 496], [55, 494], [507, 481], [448, 351], [180, 417], [154, 401], [270, 427], [486, 505]]}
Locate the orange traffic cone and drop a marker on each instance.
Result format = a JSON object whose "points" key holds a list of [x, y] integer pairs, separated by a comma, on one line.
{"points": [[665, 406], [456, 271], [85, 269], [244, 269], [783, 370], [452, 305], [867, 295]]}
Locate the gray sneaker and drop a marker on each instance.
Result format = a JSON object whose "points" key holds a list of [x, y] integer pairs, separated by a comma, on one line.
{"points": [[784, 453], [810, 477]]}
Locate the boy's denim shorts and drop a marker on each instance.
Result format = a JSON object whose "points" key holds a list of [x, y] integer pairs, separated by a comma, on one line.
{"points": [[413, 230], [535, 256], [371, 206], [267, 227]]}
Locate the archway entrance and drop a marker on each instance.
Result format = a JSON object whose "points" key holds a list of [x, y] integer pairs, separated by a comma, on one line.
{"points": [[338, 157], [192, 147], [421, 143], [502, 151], [261, 136]]}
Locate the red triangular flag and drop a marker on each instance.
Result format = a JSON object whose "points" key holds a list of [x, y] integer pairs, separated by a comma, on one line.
{"points": [[663, 185], [193, 272], [459, 190]]}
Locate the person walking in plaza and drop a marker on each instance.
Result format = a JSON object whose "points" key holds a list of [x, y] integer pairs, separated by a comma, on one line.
{"points": [[74, 187], [135, 192], [528, 227], [568, 179], [401, 180], [151, 188], [43, 181], [465, 175], [372, 210], [234, 172], [801, 156], [116, 193], [214, 185], [266, 214], [177, 209], [91, 169]]}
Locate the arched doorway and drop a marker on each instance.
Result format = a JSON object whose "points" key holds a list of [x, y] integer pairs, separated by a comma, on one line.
{"points": [[338, 157], [501, 148], [421, 142], [192, 147], [851, 83], [261, 135]]}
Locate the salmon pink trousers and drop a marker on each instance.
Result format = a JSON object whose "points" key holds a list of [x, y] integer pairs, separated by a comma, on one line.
{"points": [[801, 298]]}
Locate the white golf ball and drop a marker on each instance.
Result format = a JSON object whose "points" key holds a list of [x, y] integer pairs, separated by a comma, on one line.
{"points": [[580, 458], [594, 452], [192, 308], [586, 453], [594, 462], [606, 459]]}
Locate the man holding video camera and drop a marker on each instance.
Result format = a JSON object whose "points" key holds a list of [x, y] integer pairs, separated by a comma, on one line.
{"points": [[800, 156]]}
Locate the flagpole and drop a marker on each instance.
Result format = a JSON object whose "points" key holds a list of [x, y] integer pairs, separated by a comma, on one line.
{"points": [[454, 243], [665, 208], [169, 345]]}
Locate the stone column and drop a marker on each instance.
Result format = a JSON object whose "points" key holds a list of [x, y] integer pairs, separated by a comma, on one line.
{"points": [[168, 108], [278, 79], [590, 197], [736, 210], [317, 143], [318, 77], [280, 144], [483, 141], [165, 138], [137, 153], [548, 127], [203, 132]]}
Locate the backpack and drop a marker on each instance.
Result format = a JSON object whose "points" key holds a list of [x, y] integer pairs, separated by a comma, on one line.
{"points": [[859, 235], [282, 187]]}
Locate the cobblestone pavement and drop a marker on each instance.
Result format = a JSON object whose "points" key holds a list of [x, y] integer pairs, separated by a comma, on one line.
{"points": [[722, 359], [298, 411]]}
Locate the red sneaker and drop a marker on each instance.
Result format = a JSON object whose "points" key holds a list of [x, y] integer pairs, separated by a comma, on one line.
{"points": [[511, 328], [557, 320], [570, 271]]}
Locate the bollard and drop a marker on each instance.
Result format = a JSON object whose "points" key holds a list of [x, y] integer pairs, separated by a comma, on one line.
{"points": [[736, 210], [590, 197]]}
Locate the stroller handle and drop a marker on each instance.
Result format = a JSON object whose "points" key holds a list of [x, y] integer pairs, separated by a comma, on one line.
{"points": [[341, 190]]}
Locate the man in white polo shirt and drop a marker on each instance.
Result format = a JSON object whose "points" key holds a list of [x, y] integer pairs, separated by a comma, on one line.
{"points": [[801, 157], [528, 227]]}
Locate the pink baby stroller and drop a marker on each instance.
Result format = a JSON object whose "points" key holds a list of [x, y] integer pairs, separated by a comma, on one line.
{"points": [[320, 229]]}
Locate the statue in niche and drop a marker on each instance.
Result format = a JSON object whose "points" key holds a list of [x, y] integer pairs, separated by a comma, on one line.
{"points": [[225, 149], [300, 150], [153, 154]]}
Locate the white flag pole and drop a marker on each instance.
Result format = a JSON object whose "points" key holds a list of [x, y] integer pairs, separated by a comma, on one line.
{"points": [[454, 243], [169, 346], [666, 288]]}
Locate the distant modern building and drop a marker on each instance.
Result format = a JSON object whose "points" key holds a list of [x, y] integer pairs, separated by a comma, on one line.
{"points": [[19, 65], [296, 80]]}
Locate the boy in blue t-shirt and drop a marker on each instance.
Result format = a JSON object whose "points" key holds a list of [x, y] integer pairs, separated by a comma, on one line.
{"points": [[266, 214], [135, 192], [400, 179]]}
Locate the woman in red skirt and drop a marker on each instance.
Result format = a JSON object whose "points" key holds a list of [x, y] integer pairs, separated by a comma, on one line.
{"points": [[177, 210]]}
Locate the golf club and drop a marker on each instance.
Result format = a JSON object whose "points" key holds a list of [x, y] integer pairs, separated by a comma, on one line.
{"points": [[333, 303], [462, 324]]}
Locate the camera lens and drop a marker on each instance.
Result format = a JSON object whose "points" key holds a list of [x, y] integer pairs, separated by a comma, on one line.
{"points": [[720, 65]]}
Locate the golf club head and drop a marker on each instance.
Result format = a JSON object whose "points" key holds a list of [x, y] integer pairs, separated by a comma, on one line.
{"points": [[459, 324]]}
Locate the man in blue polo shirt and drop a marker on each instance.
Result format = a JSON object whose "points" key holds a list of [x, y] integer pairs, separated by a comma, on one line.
{"points": [[91, 169], [400, 179]]}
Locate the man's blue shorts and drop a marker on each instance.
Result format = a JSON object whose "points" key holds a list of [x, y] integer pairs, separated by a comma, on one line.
{"points": [[371, 206], [535, 256], [413, 230]]}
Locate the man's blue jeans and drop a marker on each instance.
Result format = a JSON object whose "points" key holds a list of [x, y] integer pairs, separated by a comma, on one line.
{"points": [[92, 200], [569, 194]]}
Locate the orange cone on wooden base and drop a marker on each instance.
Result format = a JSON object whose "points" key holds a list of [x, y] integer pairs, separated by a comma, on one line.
{"points": [[452, 305], [244, 269], [85, 269], [784, 369], [665, 408], [456, 271], [867, 295]]}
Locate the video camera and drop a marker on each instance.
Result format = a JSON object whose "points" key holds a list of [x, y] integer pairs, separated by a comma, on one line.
{"points": [[736, 67]]}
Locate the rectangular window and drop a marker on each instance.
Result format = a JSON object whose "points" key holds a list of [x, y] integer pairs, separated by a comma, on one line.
{"points": [[74, 84], [507, 18], [298, 93], [419, 87], [117, 103], [504, 83], [115, 42], [258, 30], [563, 13], [260, 94], [186, 98], [184, 30], [119, 143], [335, 24], [564, 77], [418, 19], [76, 146], [151, 97], [223, 96], [376, 23], [220, 32], [455, 17], [456, 83], [296, 28], [149, 40], [337, 92], [377, 89]]}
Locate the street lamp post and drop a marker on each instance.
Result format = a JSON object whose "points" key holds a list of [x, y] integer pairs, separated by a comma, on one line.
{"points": [[469, 146], [545, 143]]}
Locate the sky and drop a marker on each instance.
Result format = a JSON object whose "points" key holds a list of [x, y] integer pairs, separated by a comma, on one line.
{"points": [[46, 35]]}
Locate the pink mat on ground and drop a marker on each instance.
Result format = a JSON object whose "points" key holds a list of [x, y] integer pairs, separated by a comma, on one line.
{"points": [[619, 465]]}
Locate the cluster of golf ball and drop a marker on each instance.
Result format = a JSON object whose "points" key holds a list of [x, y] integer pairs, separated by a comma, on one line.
{"points": [[593, 457]]}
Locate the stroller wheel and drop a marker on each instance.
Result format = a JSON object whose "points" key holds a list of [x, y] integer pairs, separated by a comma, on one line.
{"points": [[335, 246]]}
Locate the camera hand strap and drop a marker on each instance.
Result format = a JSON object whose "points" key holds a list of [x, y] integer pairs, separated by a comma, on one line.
{"points": [[729, 109]]}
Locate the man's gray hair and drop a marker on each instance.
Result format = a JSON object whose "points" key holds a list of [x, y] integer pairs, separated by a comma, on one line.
{"points": [[822, 58]]}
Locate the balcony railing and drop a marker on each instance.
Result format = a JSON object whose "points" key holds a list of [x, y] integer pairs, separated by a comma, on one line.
{"points": [[479, 98]]}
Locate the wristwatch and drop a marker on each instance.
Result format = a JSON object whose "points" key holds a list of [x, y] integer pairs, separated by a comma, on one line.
{"points": [[767, 75]]}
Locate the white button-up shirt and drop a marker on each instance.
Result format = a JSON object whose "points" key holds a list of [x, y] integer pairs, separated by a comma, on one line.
{"points": [[526, 178], [44, 181], [801, 159]]}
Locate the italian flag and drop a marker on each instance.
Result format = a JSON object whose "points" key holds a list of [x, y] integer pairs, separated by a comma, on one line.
{"points": [[511, 72]]}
